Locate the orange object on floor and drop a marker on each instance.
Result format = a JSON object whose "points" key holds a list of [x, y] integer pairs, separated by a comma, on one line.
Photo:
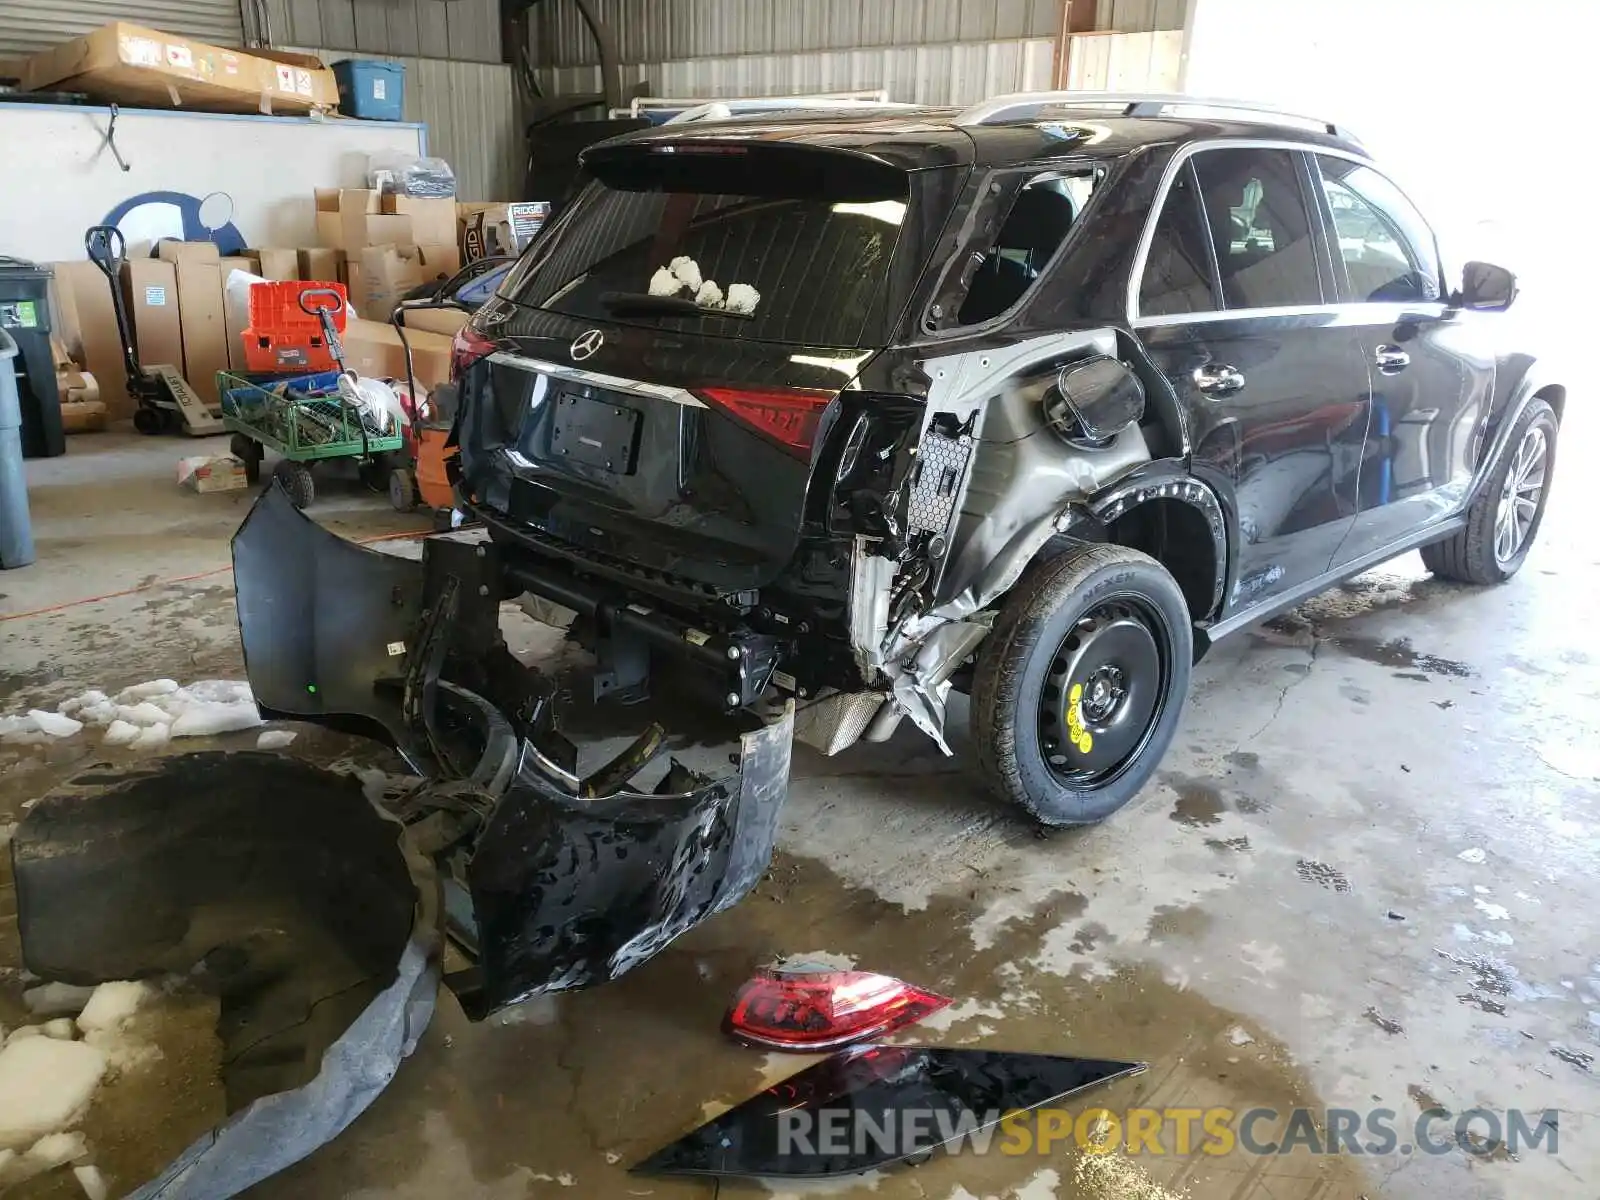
{"points": [[433, 485]]}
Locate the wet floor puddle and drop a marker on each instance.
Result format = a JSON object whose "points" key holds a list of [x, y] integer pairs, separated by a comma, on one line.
{"points": [[1399, 654], [575, 1088]]}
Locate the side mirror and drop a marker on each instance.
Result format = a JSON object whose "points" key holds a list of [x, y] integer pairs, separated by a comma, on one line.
{"points": [[1486, 288], [1101, 397]]}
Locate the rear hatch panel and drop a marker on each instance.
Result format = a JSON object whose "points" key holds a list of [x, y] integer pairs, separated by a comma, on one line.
{"points": [[625, 413], [595, 457]]}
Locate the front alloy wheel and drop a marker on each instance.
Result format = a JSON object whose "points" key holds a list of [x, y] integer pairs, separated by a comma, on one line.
{"points": [[1503, 521], [1521, 495]]}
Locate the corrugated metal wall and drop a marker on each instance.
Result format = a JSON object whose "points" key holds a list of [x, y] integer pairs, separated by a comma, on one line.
{"points": [[1126, 62], [942, 74], [474, 121], [465, 30], [30, 25], [1140, 16], [654, 31]]}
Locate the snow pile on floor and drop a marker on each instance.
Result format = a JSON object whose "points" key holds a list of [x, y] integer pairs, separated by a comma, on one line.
{"points": [[45, 1084], [54, 724], [275, 739], [113, 1004], [105, 1020], [99, 1106], [143, 717]]}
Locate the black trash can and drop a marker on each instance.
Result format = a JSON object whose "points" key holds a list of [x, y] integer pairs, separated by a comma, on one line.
{"points": [[25, 315]]}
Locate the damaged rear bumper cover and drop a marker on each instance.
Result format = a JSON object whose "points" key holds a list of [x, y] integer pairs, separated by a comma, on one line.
{"points": [[314, 911], [553, 878]]}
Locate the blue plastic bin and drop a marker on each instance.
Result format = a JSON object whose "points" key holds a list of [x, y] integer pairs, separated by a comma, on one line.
{"points": [[370, 89]]}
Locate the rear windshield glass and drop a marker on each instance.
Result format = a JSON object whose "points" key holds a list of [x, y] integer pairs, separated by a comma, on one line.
{"points": [[791, 247]]}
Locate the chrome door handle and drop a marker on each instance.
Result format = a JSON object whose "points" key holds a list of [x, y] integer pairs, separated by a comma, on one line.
{"points": [[1390, 359], [1218, 379]]}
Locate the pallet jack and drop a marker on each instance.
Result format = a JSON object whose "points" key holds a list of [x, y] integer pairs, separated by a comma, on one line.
{"points": [[165, 400]]}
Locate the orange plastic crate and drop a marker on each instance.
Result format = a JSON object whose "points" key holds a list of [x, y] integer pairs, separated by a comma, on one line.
{"points": [[284, 337]]}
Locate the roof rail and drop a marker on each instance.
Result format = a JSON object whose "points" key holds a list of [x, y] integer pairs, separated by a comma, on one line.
{"points": [[641, 103], [1020, 106], [729, 110]]}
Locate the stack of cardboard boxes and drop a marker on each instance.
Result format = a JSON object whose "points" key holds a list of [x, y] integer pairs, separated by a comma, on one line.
{"points": [[382, 245], [174, 304], [379, 245]]}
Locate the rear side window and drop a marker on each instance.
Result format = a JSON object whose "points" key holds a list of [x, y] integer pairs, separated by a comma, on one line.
{"points": [[1261, 227], [1389, 252], [1041, 216], [766, 248], [1179, 276]]}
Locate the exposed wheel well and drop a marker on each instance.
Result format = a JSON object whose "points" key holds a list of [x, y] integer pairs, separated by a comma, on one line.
{"points": [[1177, 536]]}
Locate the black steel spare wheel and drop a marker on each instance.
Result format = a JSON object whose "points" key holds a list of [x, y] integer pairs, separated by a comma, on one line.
{"points": [[1078, 690]]}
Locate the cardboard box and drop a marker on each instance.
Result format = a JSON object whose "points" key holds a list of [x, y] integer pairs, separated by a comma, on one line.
{"points": [[205, 329], [485, 230], [355, 283], [133, 65], [278, 264], [374, 348], [178, 252], [350, 218], [433, 219], [212, 473], [93, 333], [334, 204], [235, 319], [446, 321], [64, 319], [320, 264], [440, 261], [386, 274], [150, 287]]}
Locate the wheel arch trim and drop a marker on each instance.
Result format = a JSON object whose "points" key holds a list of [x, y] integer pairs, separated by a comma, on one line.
{"points": [[1532, 386], [1170, 480]]}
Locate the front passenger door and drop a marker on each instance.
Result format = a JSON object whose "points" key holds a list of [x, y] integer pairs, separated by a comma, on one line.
{"points": [[1430, 384], [1235, 308]]}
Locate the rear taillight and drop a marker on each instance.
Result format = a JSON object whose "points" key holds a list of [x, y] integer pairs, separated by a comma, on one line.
{"points": [[808, 1008], [789, 416], [467, 348]]}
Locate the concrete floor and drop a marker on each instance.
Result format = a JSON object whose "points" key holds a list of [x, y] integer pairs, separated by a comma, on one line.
{"points": [[1367, 877]]}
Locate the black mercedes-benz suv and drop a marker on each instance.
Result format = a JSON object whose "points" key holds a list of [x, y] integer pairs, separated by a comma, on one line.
{"points": [[1033, 400]]}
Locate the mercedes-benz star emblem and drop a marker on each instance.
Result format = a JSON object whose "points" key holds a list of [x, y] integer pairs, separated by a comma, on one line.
{"points": [[588, 345]]}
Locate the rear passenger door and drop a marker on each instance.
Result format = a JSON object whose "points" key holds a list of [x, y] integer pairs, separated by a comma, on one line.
{"points": [[1236, 306], [1430, 382]]}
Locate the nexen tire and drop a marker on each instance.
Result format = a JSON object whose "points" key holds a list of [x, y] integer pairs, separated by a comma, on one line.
{"points": [[1013, 710]]}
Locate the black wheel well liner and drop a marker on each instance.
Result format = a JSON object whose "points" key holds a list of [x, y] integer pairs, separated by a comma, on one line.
{"points": [[1177, 519], [1175, 533]]}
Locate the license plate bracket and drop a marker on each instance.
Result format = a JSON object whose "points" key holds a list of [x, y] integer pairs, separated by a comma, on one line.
{"points": [[595, 433]]}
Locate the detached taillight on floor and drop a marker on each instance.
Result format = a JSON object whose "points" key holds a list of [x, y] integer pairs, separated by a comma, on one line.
{"points": [[467, 348], [789, 416], [809, 1008]]}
